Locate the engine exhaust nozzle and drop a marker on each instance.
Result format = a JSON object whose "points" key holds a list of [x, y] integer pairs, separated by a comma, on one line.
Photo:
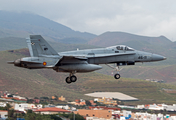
{"points": [[17, 62]]}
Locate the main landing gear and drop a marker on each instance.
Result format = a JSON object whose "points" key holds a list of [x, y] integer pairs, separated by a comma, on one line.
{"points": [[71, 78], [117, 75]]}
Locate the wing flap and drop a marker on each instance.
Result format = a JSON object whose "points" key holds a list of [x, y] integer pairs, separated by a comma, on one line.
{"points": [[76, 57], [72, 60]]}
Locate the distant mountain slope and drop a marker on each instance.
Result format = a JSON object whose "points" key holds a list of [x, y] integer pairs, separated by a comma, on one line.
{"points": [[35, 24], [146, 71], [44, 82], [164, 70], [12, 43], [116, 38], [159, 45]]}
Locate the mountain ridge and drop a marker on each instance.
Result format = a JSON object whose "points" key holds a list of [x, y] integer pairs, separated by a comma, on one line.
{"points": [[36, 24], [115, 38]]}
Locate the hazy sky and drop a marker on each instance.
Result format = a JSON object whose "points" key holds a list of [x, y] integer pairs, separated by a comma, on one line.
{"points": [[142, 17]]}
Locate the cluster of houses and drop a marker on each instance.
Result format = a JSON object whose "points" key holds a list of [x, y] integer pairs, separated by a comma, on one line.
{"points": [[93, 112], [103, 100], [156, 80], [152, 107], [96, 112], [12, 97]]}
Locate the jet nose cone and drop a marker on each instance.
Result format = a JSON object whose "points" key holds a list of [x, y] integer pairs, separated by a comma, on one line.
{"points": [[156, 57], [164, 58]]}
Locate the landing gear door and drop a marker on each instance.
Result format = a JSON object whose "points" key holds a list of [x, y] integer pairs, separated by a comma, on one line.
{"points": [[92, 54], [124, 48]]}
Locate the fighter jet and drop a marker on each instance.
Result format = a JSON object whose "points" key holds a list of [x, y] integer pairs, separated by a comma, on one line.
{"points": [[44, 56]]}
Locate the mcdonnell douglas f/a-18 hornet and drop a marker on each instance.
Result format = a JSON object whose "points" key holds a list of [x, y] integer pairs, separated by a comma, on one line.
{"points": [[44, 56]]}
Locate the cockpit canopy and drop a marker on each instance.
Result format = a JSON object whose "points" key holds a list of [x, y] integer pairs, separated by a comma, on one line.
{"points": [[123, 47]]}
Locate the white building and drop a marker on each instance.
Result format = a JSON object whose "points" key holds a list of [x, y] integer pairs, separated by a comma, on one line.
{"points": [[3, 114], [140, 106], [170, 108], [25, 106], [66, 107], [96, 99], [2, 104], [156, 107], [19, 97], [95, 118], [125, 106]]}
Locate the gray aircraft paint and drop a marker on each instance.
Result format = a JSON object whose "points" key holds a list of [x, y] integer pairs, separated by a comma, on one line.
{"points": [[44, 56]]}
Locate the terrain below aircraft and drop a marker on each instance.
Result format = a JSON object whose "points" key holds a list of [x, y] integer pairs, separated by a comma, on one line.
{"points": [[44, 56]]}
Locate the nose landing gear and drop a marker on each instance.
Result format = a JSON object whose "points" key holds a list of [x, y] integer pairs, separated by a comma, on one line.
{"points": [[117, 75]]}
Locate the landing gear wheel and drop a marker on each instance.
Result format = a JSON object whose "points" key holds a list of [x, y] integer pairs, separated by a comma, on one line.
{"points": [[73, 78], [68, 80], [117, 76]]}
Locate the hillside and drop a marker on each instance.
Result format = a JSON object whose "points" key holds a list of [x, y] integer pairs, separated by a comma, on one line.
{"points": [[115, 38], [145, 71], [163, 70], [12, 43], [159, 45], [165, 48], [22, 24], [15, 27], [39, 83]]}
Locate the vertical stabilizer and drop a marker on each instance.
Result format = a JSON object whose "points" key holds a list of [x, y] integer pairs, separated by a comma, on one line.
{"points": [[38, 46]]}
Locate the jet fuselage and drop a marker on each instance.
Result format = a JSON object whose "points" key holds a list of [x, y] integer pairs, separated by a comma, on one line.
{"points": [[44, 56], [108, 55]]}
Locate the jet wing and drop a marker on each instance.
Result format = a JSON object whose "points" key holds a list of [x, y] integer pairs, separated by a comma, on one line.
{"points": [[72, 60], [74, 57]]}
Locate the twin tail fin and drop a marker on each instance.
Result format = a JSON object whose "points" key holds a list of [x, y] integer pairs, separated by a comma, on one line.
{"points": [[39, 47]]}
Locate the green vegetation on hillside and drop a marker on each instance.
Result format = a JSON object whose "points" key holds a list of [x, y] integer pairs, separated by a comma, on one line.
{"points": [[12, 43], [158, 45], [32, 83], [145, 71]]}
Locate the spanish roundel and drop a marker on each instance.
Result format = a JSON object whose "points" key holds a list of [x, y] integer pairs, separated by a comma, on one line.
{"points": [[44, 63]]}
